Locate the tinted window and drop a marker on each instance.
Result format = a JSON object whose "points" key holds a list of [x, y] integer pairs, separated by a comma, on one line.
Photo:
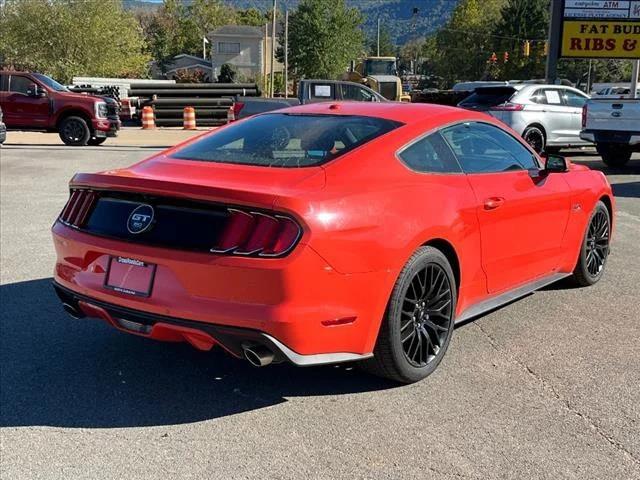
{"points": [[286, 140], [573, 99], [4, 83], [488, 97], [483, 148], [19, 84], [431, 154], [354, 92]]}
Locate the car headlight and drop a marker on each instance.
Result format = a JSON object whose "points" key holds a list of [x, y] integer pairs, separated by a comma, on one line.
{"points": [[101, 110]]}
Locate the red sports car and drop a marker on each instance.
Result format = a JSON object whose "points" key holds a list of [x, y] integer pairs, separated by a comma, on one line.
{"points": [[330, 233]]}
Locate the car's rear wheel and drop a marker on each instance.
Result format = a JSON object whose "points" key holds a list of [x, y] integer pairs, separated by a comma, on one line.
{"points": [[614, 155], [595, 247], [74, 131], [534, 136], [418, 322]]}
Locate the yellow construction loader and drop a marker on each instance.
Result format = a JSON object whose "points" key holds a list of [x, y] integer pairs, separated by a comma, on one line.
{"points": [[379, 74]]}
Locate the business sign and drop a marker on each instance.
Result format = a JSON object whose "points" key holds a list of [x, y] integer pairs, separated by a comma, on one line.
{"points": [[600, 29]]}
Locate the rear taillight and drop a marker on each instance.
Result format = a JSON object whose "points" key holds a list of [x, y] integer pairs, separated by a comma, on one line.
{"points": [[584, 116], [259, 234], [508, 107], [76, 211]]}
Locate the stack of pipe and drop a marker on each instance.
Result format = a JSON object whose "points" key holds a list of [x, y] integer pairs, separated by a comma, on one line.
{"points": [[211, 101]]}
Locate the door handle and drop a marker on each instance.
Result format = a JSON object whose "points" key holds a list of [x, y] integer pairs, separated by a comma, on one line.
{"points": [[493, 202]]}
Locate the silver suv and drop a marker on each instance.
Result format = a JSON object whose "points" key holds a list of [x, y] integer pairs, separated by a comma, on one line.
{"points": [[548, 117]]}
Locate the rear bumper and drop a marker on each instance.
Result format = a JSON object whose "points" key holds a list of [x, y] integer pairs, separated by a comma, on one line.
{"points": [[202, 336], [297, 302], [613, 136]]}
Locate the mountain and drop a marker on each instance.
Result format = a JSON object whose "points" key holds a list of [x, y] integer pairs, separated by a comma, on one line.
{"points": [[397, 16]]}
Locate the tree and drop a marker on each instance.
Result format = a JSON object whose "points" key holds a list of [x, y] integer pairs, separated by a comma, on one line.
{"points": [[522, 20], [464, 44], [251, 17], [67, 38], [387, 48], [324, 35]]}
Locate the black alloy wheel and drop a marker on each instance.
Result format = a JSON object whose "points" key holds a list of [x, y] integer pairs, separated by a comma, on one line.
{"points": [[418, 322], [74, 131], [595, 247], [535, 138], [426, 315]]}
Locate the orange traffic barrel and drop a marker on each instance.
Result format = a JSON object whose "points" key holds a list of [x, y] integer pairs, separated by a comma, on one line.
{"points": [[148, 121], [189, 118], [231, 115]]}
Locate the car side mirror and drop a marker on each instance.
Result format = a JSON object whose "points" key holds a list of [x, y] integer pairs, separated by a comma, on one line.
{"points": [[556, 164], [34, 90]]}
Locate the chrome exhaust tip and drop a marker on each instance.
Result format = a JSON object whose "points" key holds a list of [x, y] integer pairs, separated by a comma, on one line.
{"points": [[258, 355], [73, 311]]}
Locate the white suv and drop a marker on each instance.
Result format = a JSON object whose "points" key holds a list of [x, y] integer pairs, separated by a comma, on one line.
{"points": [[548, 117]]}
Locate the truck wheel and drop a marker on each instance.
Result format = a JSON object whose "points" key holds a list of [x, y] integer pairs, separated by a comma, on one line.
{"points": [[614, 155], [74, 131], [97, 141]]}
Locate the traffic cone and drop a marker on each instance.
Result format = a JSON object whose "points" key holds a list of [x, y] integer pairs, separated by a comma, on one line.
{"points": [[148, 122], [231, 115], [189, 118]]}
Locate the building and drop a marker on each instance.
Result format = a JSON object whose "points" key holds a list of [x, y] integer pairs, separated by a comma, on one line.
{"points": [[183, 62], [247, 48]]}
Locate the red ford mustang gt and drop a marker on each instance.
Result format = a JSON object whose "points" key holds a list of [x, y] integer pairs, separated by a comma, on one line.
{"points": [[329, 233]]}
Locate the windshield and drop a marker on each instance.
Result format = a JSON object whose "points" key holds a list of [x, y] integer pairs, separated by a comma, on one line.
{"points": [[50, 82], [379, 67], [286, 140]]}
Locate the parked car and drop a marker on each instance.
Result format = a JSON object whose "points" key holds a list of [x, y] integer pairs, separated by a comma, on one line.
{"points": [[614, 126], [328, 233], [3, 129], [548, 117], [32, 101], [471, 86], [309, 91]]}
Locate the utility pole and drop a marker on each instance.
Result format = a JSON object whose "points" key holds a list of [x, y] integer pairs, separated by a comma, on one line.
{"points": [[273, 47], [554, 41], [286, 54], [378, 42], [634, 78]]}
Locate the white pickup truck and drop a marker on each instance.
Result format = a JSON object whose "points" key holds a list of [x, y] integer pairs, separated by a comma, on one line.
{"points": [[613, 124]]}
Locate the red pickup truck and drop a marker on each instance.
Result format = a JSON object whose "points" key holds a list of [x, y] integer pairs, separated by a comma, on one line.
{"points": [[32, 101]]}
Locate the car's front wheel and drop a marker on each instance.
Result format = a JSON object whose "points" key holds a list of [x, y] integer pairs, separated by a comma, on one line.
{"points": [[418, 322], [595, 247], [74, 131]]}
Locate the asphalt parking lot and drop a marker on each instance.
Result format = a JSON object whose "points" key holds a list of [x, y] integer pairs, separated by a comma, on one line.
{"points": [[547, 387]]}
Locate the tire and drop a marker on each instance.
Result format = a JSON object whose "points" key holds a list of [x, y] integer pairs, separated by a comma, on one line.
{"points": [[535, 137], [594, 249], [614, 155], [74, 131], [96, 141], [427, 327]]}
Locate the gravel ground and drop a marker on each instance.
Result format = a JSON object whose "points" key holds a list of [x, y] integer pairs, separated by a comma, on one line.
{"points": [[547, 387]]}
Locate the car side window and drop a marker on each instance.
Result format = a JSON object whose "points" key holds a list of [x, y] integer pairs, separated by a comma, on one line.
{"points": [[484, 148], [552, 96], [354, 92], [430, 154], [538, 97], [4, 83], [573, 99], [19, 84]]}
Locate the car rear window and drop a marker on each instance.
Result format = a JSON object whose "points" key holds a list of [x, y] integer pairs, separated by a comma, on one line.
{"points": [[286, 140], [488, 97]]}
